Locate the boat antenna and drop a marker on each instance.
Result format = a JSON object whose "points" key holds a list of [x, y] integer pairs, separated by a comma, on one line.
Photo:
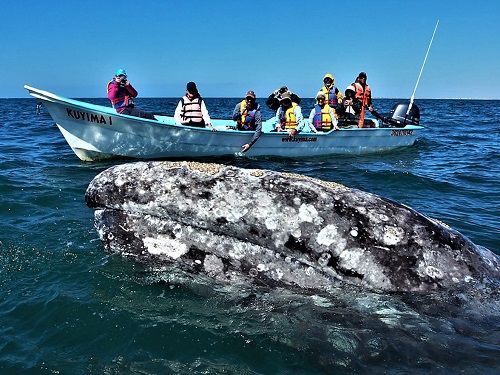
{"points": [[421, 69]]}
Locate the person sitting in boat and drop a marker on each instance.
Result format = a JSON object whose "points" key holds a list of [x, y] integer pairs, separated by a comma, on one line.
{"points": [[332, 94], [121, 94], [289, 117], [363, 93], [349, 108], [273, 101], [322, 116], [248, 117], [191, 110]]}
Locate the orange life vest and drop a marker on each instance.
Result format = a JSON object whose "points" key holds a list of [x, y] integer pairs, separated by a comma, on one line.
{"points": [[364, 95]]}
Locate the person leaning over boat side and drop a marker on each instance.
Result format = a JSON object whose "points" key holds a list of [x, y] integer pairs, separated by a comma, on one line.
{"points": [[322, 116], [121, 94], [248, 117], [332, 94], [363, 93], [289, 117], [191, 110], [273, 101]]}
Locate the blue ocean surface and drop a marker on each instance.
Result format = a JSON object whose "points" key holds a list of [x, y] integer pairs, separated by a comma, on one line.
{"points": [[68, 307]]}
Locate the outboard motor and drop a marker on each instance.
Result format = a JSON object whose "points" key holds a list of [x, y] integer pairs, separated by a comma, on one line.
{"points": [[397, 116]]}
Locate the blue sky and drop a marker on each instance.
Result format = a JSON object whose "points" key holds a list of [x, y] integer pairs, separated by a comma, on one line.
{"points": [[72, 48]]}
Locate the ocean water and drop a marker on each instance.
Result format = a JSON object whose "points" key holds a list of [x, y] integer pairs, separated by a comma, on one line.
{"points": [[68, 307]]}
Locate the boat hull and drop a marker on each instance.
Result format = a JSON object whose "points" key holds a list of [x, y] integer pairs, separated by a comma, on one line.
{"points": [[96, 132]]}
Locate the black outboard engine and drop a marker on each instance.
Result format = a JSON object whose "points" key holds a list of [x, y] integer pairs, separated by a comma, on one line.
{"points": [[398, 117]]}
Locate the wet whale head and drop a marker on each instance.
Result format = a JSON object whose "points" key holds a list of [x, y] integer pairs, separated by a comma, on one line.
{"points": [[271, 228]]}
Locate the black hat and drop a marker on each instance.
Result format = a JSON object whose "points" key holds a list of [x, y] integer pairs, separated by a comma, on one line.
{"points": [[191, 87], [362, 75]]}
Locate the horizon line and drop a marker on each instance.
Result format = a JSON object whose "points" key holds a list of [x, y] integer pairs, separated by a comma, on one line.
{"points": [[239, 97]]}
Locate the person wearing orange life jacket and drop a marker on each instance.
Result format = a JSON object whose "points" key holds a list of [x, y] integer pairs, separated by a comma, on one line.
{"points": [[289, 117], [332, 94], [322, 116], [248, 117], [191, 109], [121, 95], [363, 93]]}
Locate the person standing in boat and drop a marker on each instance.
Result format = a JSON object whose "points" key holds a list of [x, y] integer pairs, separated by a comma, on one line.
{"points": [[322, 116], [121, 94], [363, 93], [191, 110], [248, 117], [332, 94]]}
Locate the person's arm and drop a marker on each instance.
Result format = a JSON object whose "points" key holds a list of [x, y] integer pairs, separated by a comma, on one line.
{"points": [[206, 117], [204, 112], [130, 90], [300, 120], [311, 116], [298, 114], [236, 113], [112, 90], [277, 124], [370, 104], [334, 119], [257, 134], [177, 113]]}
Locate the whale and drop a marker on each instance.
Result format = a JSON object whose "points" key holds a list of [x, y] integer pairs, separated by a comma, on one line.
{"points": [[237, 225]]}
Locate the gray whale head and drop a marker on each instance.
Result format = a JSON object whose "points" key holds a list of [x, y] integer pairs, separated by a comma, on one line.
{"points": [[271, 228]]}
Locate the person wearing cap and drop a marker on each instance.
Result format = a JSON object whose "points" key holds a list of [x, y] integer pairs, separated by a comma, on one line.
{"points": [[191, 110], [289, 117], [363, 93], [273, 101], [248, 117], [332, 94], [350, 107], [322, 116], [121, 94]]}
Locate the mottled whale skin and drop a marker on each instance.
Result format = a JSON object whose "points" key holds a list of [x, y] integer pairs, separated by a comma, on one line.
{"points": [[271, 228]]}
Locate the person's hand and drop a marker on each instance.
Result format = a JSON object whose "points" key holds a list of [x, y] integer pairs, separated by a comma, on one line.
{"points": [[245, 147], [292, 132], [348, 101], [278, 128], [370, 108], [211, 127]]}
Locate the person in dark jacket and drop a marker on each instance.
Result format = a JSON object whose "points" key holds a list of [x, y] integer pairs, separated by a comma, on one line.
{"points": [[273, 101]]}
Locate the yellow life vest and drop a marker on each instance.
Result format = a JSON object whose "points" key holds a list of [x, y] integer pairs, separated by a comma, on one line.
{"points": [[322, 119], [288, 120], [330, 97]]}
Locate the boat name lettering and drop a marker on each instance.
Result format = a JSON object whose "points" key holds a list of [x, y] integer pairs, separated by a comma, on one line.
{"points": [[299, 139], [90, 117], [400, 133]]}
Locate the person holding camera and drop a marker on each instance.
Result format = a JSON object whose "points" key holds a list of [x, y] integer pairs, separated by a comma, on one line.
{"points": [[273, 101], [121, 94]]}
